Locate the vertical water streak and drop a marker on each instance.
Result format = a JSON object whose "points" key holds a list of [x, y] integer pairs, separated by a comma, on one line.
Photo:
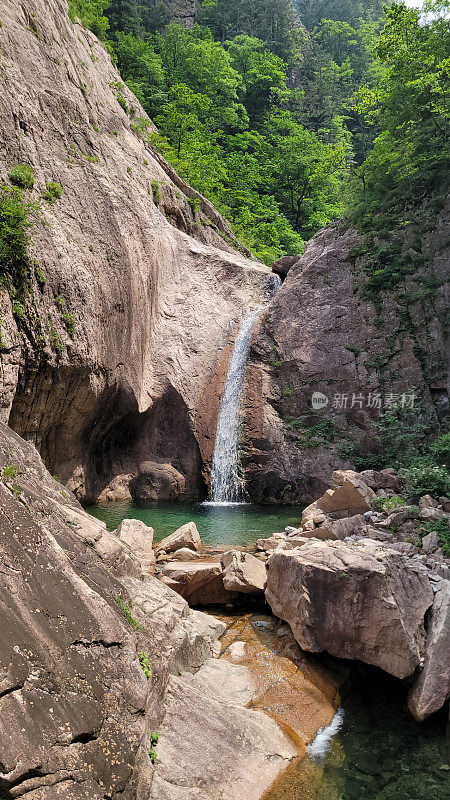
{"points": [[226, 486]]}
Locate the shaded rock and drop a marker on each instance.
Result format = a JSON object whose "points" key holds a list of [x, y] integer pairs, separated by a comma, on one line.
{"points": [[243, 572], [432, 688], [197, 727], [157, 481], [282, 265], [445, 503], [325, 337], [183, 554], [355, 600], [139, 538], [402, 515], [199, 582], [186, 536]]}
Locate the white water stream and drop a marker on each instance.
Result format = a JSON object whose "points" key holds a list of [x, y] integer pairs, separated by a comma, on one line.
{"points": [[226, 483]]}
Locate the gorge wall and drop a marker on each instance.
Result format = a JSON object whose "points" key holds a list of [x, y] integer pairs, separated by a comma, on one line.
{"points": [[319, 335], [154, 281]]}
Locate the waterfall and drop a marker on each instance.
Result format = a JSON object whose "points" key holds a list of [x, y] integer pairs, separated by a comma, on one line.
{"points": [[226, 486], [226, 483]]}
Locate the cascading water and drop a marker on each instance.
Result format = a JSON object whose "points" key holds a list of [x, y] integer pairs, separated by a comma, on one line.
{"points": [[226, 484]]}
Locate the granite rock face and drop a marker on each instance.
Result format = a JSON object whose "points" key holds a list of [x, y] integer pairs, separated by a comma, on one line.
{"points": [[354, 600], [126, 404], [80, 618], [318, 335]]}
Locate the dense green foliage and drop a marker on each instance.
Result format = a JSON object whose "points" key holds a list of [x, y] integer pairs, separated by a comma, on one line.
{"points": [[285, 127], [15, 220]]}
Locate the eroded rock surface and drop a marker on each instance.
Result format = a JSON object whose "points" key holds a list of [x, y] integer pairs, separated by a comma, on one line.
{"points": [[354, 600], [319, 335], [127, 404], [89, 641]]}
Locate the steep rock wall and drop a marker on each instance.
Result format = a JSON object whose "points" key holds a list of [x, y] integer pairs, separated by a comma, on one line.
{"points": [[154, 286], [319, 336]]}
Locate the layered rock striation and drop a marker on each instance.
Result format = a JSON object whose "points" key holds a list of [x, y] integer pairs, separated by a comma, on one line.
{"points": [[111, 369]]}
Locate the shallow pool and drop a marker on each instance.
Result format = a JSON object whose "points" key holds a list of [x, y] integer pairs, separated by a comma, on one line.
{"points": [[239, 524]]}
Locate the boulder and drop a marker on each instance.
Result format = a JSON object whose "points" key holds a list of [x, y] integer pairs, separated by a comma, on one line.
{"points": [[432, 688], [243, 572], [355, 600], [340, 528], [430, 542], [139, 538], [282, 265], [352, 497], [400, 516], [183, 554], [271, 543], [157, 481], [376, 479], [445, 503], [426, 501], [186, 536], [432, 513], [199, 582]]}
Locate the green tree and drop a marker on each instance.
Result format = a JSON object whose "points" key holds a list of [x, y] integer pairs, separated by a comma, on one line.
{"points": [[91, 13]]}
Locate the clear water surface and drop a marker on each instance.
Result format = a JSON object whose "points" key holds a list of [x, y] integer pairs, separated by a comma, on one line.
{"points": [[238, 524]]}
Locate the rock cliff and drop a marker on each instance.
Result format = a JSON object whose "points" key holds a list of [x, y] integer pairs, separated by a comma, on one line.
{"points": [[319, 335], [122, 392]]}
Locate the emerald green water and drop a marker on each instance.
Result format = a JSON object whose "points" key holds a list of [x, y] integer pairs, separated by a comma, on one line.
{"points": [[221, 524], [379, 753]]}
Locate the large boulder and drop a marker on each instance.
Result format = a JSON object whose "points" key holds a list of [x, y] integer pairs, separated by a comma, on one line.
{"points": [[186, 536], [432, 687], [243, 572], [352, 496], [199, 582], [139, 538], [157, 481], [354, 600], [338, 528], [282, 265]]}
